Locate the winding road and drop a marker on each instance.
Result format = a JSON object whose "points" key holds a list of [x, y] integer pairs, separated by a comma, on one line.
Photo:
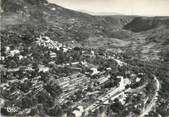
{"points": [[153, 101], [154, 98]]}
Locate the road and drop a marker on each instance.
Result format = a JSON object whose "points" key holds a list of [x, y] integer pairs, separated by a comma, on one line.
{"points": [[153, 101], [154, 98]]}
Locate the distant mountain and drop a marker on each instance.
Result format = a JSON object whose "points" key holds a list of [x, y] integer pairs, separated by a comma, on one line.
{"points": [[146, 23], [99, 13], [44, 13]]}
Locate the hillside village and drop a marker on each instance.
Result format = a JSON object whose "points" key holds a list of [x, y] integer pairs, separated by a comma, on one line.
{"points": [[71, 81], [64, 63]]}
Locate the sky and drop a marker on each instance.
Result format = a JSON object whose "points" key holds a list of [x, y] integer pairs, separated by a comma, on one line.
{"points": [[111, 7]]}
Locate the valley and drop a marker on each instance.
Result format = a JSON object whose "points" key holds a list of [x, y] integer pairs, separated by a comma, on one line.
{"points": [[63, 63]]}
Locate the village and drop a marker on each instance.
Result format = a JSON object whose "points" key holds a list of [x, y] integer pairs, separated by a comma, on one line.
{"points": [[77, 79]]}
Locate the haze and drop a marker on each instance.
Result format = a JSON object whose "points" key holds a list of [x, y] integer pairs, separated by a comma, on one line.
{"points": [[111, 7]]}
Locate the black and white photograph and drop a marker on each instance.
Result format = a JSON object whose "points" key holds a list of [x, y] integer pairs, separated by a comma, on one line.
{"points": [[84, 58]]}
